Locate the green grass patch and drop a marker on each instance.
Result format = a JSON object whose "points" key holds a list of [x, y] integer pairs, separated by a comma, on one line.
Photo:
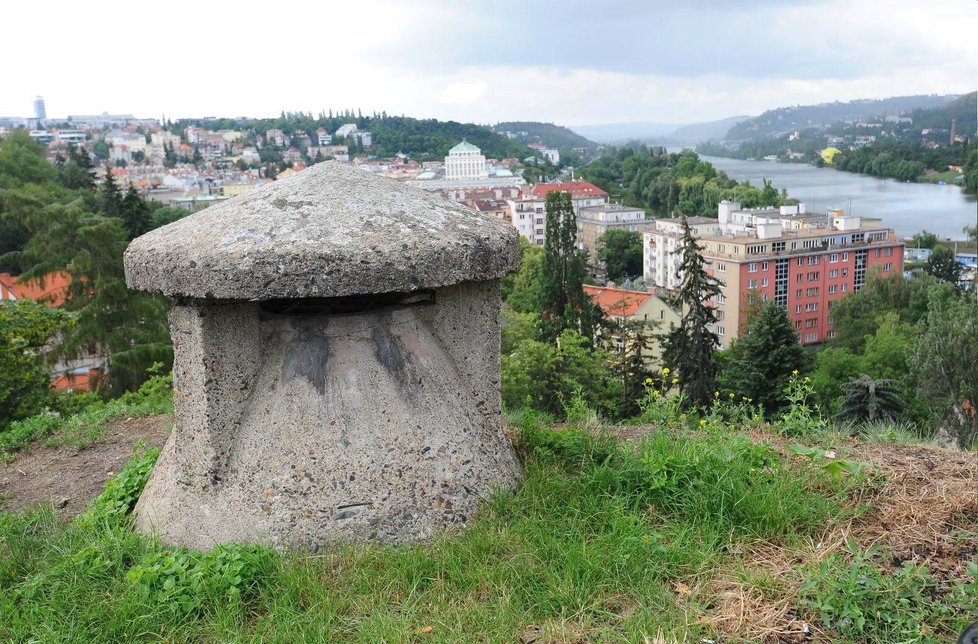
{"points": [[154, 397], [586, 548]]}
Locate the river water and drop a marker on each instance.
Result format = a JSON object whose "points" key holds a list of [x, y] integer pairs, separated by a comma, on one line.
{"points": [[905, 207]]}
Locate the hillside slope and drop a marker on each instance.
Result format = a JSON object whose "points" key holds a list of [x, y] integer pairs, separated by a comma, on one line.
{"points": [[784, 119], [549, 134]]}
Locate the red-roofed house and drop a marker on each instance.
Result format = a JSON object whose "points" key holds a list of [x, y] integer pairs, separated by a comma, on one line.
{"points": [[50, 289], [529, 214], [621, 305]]}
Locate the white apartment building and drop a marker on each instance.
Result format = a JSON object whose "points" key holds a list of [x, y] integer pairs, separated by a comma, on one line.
{"points": [[464, 162], [662, 248]]}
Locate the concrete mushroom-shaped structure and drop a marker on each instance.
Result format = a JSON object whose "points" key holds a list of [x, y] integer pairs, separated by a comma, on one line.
{"points": [[336, 363]]}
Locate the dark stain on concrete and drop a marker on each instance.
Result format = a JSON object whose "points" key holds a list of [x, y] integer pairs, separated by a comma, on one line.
{"points": [[307, 353]]}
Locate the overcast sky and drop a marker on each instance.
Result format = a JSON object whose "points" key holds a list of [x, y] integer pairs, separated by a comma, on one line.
{"points": [[569, 62]]}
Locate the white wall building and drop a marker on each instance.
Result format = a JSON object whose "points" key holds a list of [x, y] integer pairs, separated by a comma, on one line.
{"points": [[465, 161], [662, 249]]}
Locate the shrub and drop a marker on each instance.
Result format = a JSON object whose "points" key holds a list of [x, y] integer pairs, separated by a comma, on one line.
{"points": [[868, 400]]}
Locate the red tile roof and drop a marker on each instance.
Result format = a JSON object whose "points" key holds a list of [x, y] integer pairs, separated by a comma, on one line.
{"points": [[52, 292], [617, 302], [576, 188]]}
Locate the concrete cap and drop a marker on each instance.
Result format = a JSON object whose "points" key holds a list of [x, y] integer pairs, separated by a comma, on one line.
{"points": [[330, 230]]}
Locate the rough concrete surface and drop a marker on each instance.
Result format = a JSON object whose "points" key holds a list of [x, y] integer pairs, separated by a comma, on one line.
{"points": [[306, 430], [329, 230]]}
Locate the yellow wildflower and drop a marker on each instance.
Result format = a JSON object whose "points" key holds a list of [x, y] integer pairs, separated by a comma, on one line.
{"points": [[716, 394], [665, 371], [703, 421], [648, 381], [807, 379], [731, 395], [675, 381], [794, 373]]}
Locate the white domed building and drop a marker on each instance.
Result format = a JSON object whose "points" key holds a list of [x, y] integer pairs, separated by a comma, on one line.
{"points": [[464, 162]]}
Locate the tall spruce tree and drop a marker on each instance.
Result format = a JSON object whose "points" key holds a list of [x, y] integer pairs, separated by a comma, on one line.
{"points": [[112, 200], [689, 348], [564, 303], [135, 214], [761, 361]]}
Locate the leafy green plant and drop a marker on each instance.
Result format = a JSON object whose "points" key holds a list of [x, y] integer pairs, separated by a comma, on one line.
{"points": [[827, 461], [123, 490], [184, 580], [856, 601], [801, 418], [869, 400]]}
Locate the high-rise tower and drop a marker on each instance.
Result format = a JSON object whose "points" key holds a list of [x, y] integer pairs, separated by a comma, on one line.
{"points": [[39, 112]]}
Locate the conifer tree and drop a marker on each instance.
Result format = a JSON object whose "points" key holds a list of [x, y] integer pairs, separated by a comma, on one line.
{"points": [[762, 361], [564, 303], [110, 193], [689, 348], [135, 214]]}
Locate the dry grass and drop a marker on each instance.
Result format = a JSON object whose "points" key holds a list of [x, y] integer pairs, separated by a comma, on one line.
{"points": [[922, 508]]}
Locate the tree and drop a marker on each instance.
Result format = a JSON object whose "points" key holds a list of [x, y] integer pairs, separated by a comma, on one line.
{"points": [[111, 199], [942, 265], [126, 328], [620, 251], [135, 214], [25, 327], [761, 362], [689, 348], [868, 400], [523, 290], [22, 161], [564, 305], [944, 364], [77, 173]]}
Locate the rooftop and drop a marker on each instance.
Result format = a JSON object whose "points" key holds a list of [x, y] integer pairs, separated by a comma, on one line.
{"points": [[575, 188], [464, 146], [617, 302]]}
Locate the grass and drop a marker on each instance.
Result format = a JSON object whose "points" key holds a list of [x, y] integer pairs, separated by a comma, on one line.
{"points": [[594, 545], [154, 397]]}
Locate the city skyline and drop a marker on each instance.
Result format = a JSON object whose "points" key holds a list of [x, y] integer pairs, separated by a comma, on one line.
{"points": [[579, 65]]}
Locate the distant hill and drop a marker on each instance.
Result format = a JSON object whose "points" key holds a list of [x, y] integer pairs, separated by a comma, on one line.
{"points": [[963, 109], [553, 136], [698, 132], [625, 132], [422, 139], [784, 119]]}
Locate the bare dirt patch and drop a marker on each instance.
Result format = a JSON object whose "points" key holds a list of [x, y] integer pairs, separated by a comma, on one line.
{"points": [[69, 478]]}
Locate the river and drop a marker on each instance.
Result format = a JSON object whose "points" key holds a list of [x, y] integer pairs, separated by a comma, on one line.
{"points": [[905, 207]]}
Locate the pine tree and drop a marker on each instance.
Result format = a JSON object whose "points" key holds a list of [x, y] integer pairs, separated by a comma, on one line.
{"points": [[110, 194], [761, 362], [689, 348], [135, 214], [565, 305]]}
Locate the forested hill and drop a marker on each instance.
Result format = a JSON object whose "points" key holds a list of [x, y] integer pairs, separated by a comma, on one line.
{"points": [[422, 139], [784, 119], [554, 136], [963, 109]]}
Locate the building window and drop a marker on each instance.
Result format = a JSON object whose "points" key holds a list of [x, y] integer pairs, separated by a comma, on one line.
{"points": [[798, 294], [797, 308], [811, 337], [833, 288], [720, 330], [845, 272], [751, 283], [721, 299], [813, 260], [812, 292], [834, 257], [830, 334], [887, 266], [801, 261], [845, 287], [721, 266], [756, 250], [764, 282], [889, 252], [811, 306], [797, 324], [879, 252], [845, 257], [799, 277], [721, 314], [777, 247], [752, 267], [833, 273]]}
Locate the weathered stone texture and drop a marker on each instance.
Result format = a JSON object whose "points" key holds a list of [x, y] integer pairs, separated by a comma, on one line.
{"points": [[311, 421]]}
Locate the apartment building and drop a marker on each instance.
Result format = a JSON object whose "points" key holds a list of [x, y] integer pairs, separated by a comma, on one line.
{"points": [[805, 270], [804, 261], [529, 212], [595, 221]]}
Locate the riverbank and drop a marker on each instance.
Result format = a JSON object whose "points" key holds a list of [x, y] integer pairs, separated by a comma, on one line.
{"points": [[908, 208]]}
